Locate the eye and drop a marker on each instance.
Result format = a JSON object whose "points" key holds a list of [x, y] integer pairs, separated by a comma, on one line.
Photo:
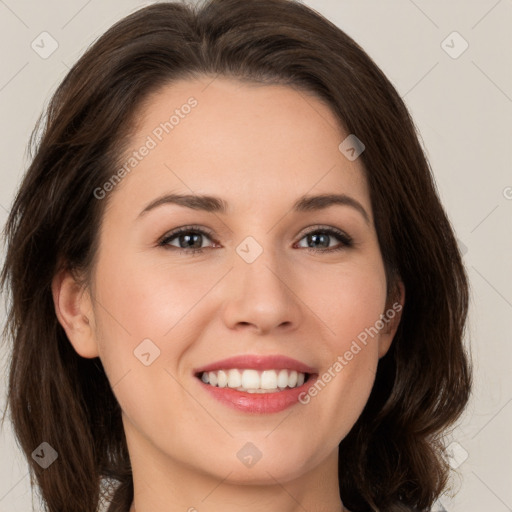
{"points": [[323, 236], [190, 239]]}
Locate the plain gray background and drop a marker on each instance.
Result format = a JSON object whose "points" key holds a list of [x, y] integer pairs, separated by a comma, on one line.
{"points": [[461, 101]]}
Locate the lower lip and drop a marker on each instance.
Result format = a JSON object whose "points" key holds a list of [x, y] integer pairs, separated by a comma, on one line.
{"points": [[259, 403]]}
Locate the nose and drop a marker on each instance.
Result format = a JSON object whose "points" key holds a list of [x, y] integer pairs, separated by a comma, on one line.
{"points": [[260, 295]]}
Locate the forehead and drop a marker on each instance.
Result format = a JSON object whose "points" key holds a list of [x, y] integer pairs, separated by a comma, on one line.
{"points": [[271, 143]]}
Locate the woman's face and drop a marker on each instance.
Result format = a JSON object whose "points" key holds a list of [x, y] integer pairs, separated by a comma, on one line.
{"points": [[272, 280]]}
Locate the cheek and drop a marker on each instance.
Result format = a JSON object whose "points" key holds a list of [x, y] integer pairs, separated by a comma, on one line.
{"points": [[349, 300], [143, 330], [148, 315], [137, 302], [356, 300]]}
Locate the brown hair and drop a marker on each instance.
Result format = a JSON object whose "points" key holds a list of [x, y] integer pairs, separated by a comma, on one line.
{"points": [[392, 459]]}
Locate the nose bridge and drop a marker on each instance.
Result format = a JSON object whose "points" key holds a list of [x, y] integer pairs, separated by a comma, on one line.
{"points": [[258, 266], [259, 292]]}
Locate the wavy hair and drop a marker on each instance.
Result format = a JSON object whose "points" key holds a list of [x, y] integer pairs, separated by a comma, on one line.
{"points": [[393, 458]]}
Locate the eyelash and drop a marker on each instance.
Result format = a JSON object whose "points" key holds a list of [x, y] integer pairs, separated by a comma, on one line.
{"points": [[340, 235]]}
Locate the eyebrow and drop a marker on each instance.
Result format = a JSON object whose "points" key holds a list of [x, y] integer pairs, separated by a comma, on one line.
{"points": [[218, 205]]}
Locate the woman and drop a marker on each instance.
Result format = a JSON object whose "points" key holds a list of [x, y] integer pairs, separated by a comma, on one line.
{"points": [[233, 283]]}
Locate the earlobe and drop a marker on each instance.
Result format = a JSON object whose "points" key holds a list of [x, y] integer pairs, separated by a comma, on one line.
{"points": [[73, 308], [392, 317]]}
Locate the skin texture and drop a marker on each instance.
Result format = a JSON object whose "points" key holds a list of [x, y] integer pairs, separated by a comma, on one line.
{"points": [[259, 148]]}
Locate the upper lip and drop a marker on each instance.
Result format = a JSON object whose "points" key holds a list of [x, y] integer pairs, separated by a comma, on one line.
{"points": [[257, 362]]}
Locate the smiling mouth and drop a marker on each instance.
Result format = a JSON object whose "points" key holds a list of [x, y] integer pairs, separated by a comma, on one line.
{"points": [[254, 381]]}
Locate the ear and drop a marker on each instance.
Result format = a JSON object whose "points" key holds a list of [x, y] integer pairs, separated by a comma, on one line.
{"points": [[74, 311], [391, 318]]}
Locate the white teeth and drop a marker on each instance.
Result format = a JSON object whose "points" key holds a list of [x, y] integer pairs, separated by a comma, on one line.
{"points": [[254, 381], [234, 379], [282, 378], [250, 379], [212, 378], [268, 379], [222, 379]]}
